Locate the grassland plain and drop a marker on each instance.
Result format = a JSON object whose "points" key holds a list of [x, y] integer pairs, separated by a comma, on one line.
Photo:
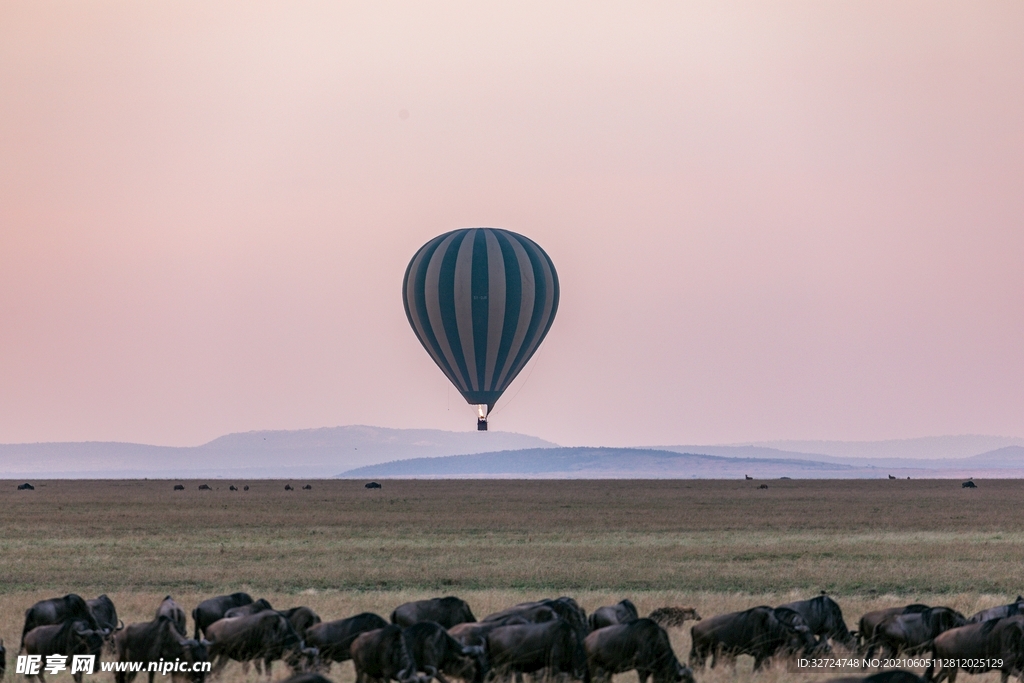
{"points": [[340, 548]]}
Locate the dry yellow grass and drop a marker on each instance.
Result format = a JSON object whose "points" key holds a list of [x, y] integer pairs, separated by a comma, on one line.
{"points": [[716, 545]]}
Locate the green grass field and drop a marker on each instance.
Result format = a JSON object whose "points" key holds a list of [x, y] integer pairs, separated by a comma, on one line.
{"points": [[340, 548]]}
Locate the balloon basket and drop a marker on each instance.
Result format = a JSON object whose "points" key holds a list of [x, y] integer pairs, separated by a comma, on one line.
{"points": [[481, 424]]}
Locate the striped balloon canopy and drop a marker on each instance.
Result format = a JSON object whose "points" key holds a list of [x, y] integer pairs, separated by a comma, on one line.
{"points": [[480, 300]]}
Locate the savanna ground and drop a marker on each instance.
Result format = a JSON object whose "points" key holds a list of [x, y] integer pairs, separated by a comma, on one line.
{"points": [[716, 545]]}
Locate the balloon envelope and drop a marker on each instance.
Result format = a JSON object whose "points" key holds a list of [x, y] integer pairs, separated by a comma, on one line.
{"points": [[480, 300]]}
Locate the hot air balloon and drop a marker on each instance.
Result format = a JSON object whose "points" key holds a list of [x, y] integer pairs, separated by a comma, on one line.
{"points": [[480, 300]]}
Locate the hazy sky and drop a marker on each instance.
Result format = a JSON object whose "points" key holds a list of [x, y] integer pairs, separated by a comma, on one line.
{"points": [[770, 220]]}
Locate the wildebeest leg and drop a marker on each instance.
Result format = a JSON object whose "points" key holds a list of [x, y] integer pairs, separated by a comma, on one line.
{"points": [[642, 675], [267, 663]]}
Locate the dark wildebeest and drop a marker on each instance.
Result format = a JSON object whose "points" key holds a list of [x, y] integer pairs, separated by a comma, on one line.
{"points": [[870, 621], [539, 611], [447, 611], [57, 611], [103, 610], [288, 487], [251, 608], [3, 659], [204, 487], [554, 647], [984, 644], [209, 611], [245, 488], [26, 487], [232, 488], [895, 676], [262, 637], [640, 645], [621, 613], [968, 485], [159, 641], [1013, 609], [173, 611], [334, 638], [373, 485], [179, 487], [436, 653], [667, 617], [69, 638], [307, 487], [758, 632], [906, 632], [823, 616], [301, 618], [381, 655]]}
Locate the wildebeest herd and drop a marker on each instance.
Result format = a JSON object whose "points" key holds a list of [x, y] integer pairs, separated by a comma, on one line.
{"points": [[441, 638]]}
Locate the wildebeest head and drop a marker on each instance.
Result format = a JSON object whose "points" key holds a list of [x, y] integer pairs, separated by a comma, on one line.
{"points": [[196, 651], [798, 636]]}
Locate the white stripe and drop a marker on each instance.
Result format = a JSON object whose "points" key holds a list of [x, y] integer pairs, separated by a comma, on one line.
{"points": [[495, 305], [431, 294], [464, 305]]}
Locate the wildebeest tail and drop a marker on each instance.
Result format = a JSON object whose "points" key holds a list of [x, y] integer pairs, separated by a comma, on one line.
{"points": [[195, 618], [667, 617]]}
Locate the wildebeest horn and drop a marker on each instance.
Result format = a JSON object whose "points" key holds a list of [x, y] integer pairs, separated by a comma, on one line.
{"points": [[204, 642], [121, 626]]}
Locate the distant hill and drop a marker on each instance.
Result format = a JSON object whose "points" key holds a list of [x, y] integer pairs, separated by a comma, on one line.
{"points": [[928, 447], [295, 453], [624, 463]]}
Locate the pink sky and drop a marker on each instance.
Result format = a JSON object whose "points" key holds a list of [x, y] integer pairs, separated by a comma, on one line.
{"points": [[770, 220]]}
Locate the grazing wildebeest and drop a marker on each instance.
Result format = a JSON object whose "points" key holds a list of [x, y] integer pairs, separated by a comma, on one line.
{"points": [[262, 637], [103, 610], [641, 645], [288, 487], [307, 487], [825, 619], [447, 611], [59, 610], [373, 485], [758, 632], [1011, 610], [436, 653], [69, 638], [204, 487], [334, 638], [895, 676], [179, 487], [381, 655], [159, 641], [870, 621], [667, 617], [173, 611], [539, 611], [251, 608], [209, 611], [554, 647], [26, 487], [621, 613], [301, 618], [245, 488], [981, 646], [900, 633], [763, 486], [232, 488], [968, 485]]}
